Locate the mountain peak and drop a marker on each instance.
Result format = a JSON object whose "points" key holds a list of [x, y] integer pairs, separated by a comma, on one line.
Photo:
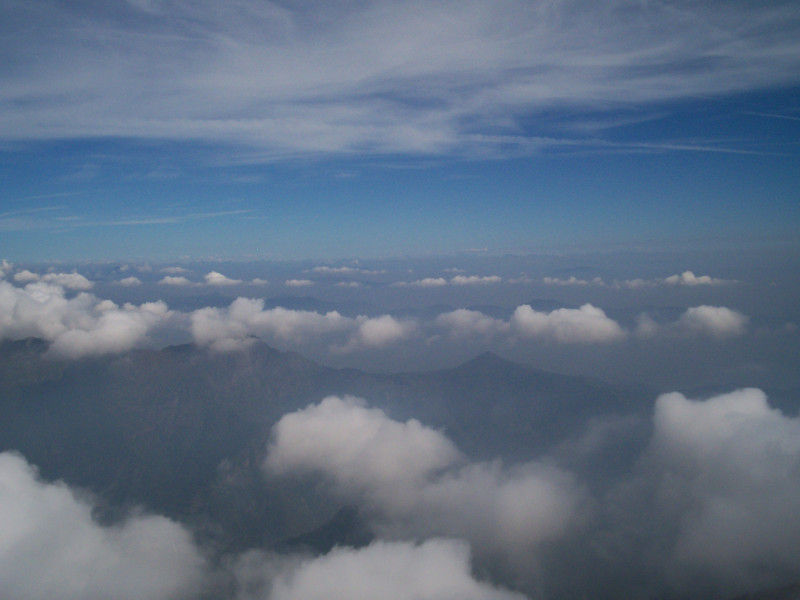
{"points": [[488, 359]]}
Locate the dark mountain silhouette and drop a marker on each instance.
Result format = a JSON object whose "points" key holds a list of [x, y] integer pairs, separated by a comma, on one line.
{"points": [[183, 431]]}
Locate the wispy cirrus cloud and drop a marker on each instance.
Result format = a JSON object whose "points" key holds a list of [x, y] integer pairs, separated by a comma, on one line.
{"points": [[281, 80]]}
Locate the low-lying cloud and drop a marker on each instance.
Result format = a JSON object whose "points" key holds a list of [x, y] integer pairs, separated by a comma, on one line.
{"points": [[587, 324], [435, 569], [52, 548], [70, 281], [78, 323], [714, 500], [414, 482], [216, 278], [77, 326], [234, 326], [709, 509], [178, 280]]}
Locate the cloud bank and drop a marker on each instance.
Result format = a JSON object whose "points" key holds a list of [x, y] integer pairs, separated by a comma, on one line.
{"points": [[586, 324], [78, 326], [414, 482], [82, 324], [433, 570], [52, 548], [714, 501], [710, 508]]}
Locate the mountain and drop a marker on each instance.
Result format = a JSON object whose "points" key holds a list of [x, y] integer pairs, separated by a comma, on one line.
{"points": [[183, 431]]}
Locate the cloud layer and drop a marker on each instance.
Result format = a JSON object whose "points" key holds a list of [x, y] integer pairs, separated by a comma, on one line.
{"points": [[714, 501], [78, 323], [709, 510], [434, 570], [77, 326], [52, 548], [415, 483], [379, 76]]}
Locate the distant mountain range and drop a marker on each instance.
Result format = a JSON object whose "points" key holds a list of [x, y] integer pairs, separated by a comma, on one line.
{"points": [[183, 431]]}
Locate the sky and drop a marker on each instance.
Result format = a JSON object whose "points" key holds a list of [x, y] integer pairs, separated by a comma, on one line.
{"points": [[155, 129]]}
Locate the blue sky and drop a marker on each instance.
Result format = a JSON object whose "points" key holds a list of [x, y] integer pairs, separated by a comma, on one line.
{"points": [[165, 129]]}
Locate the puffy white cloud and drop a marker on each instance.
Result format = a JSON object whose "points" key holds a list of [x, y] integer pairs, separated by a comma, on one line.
{"points": [[689, 278], [414, 482], [587, 324], [71, 281], [299, 282], [176, 281], [225, 328], [378, 332], [233, 327], [361, 447], [174, 270], [437, 569], [216, 278], [113, 329], [717, 321], [130, 281], [475, 280], [52, 548], [725, 471], [25, 276], [79, 326]]}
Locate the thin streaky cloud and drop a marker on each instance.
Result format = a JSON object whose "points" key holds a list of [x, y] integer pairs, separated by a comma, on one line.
{"points": [[377, 77], [29, 211], [770, 115]]}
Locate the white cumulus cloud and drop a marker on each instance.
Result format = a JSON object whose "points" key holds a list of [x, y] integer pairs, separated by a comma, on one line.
{"points": [[587, 324], [52, 548], [79, 326], [71, 281], [234, 326], [130, 281], [724, 471], [415, 483], [717, 321], [216, 278], [436, 569], [25, 276], [689, 278]]}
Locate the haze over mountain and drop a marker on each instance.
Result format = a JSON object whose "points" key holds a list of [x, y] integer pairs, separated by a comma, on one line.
{"points": [[552, 480]]}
